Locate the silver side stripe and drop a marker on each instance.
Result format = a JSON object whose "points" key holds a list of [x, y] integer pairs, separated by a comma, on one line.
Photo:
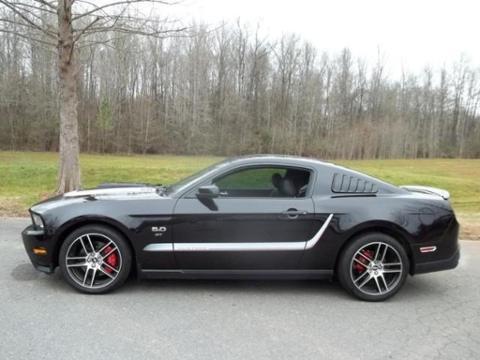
{"points": [[313, 241], [159, 247], [256, 246]]}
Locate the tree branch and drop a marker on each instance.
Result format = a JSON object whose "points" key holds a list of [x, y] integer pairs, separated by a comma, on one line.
{"points": [[27, 37], [46, 3], [18, 12], [85, 29], [25, 5], [97, 19], [107, 42], [138, 31], [118, 3]]}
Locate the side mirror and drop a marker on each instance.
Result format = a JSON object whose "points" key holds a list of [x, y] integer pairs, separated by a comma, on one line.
{"points": [[208, 192]]}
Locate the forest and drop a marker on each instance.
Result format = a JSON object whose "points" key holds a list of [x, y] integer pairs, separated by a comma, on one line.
{"points": [[228, 90]]}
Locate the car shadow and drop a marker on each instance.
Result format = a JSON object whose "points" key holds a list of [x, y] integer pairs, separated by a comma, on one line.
{"points": [[236, 286], [26, 272], [415, 287]]}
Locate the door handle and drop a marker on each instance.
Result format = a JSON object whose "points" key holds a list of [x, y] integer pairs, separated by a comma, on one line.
{"points": [[294, 213]]}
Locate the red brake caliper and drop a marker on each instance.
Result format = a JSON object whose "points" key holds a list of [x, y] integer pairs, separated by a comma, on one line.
{"points": [[360, 268], [111, 260]]}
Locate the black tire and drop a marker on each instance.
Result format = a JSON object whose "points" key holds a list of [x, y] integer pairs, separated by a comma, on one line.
{"points": [[385, 280], [99, 279]]}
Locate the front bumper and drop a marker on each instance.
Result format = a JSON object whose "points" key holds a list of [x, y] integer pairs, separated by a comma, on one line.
{"points": [[34, 238]]}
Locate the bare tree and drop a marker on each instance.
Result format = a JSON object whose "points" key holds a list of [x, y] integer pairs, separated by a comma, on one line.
{"points": [[228, 91], [66, 25]]}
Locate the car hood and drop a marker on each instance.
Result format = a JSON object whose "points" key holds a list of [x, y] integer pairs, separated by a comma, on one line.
{"points": [[134, 191], [103, 193]]}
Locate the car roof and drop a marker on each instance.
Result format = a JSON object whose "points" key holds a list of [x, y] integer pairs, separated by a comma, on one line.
{"points": [[275, 159]]}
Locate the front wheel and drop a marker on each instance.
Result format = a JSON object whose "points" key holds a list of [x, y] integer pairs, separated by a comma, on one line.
{"points": [[95, 259], [373, 267]]}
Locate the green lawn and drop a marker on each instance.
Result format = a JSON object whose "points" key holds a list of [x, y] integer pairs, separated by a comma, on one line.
{"points": [[26, 177], [459, 176]]}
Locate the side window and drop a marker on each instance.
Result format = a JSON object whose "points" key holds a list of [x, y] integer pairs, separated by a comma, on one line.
{"points": [[264, 182]]}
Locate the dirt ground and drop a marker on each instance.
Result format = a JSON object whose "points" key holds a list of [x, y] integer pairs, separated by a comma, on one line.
{"points": [[469, 226]]}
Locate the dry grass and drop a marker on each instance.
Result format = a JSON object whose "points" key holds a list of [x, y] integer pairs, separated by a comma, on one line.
{"points": [[469, 226], [12, 207]]}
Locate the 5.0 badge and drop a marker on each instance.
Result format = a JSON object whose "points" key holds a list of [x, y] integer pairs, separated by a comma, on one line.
{"points": [[160, 229]]}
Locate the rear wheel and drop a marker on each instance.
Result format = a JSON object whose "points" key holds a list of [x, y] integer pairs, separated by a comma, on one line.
{"points": [[95, 259], [373, 267]]}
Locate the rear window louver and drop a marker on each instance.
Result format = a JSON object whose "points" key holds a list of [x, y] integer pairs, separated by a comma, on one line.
{"points": [[351, 184]]}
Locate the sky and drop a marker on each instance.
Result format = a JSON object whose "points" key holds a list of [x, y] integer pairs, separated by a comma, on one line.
{"points": [[408, 34]]}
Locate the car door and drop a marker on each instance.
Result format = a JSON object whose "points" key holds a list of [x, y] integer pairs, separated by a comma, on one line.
{"points": [[250, 225]]}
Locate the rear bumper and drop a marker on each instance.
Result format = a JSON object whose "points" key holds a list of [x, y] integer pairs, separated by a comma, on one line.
{"points": [[438, 265], [34, 238], [445, 252]]}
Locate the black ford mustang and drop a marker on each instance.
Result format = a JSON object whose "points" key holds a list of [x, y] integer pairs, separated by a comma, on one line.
{"points": [[248, 217]]}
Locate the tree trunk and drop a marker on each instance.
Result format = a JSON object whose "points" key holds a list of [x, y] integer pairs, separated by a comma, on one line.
{"points": [[69, 167]]}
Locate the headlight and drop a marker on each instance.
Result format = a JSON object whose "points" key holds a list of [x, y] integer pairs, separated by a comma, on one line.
{"points": [[37, 221]]}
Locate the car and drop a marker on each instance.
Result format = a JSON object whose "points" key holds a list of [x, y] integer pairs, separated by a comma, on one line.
{"points": [[250, 217]]}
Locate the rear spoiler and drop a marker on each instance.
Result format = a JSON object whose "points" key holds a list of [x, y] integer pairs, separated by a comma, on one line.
{"points": [[427, 190]]}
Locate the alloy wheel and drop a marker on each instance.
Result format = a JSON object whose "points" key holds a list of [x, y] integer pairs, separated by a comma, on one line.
{"points": [[93, 260], [376, 268]]}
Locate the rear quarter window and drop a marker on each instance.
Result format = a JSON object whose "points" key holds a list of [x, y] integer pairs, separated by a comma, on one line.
{"points": [[343, 183]]}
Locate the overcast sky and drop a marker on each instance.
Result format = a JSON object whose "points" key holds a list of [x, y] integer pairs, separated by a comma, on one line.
{"points": [[410, 33]]}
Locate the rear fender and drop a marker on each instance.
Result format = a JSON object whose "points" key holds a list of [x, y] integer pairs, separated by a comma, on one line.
{"points": [[384, 227]]}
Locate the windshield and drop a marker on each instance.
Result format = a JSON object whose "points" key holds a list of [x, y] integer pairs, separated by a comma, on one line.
{"points": [[184, 183]]}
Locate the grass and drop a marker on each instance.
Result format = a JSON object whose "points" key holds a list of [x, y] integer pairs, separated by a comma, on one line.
{"points": [[459, 176], [27, 177]]}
